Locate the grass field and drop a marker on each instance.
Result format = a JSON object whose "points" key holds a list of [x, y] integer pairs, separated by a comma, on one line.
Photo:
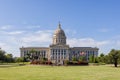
{"points": [[36, 72]]}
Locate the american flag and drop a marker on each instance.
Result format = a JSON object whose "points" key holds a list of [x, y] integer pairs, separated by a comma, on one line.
{"points": [[50, 56], [82, 53]]}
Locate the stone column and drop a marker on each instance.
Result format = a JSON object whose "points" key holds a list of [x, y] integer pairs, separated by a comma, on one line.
{"points": [[60, 54], [63, 54], [57, 56]]}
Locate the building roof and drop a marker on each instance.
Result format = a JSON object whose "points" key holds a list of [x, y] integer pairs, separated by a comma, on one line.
{"points": [[59, 31]]}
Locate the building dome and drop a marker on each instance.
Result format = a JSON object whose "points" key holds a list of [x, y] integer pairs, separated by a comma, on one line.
{"points": [[59, 36], [59, 31]]}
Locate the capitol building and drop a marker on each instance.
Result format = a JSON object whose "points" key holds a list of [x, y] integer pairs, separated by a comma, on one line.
{"points": [[59, 51]]}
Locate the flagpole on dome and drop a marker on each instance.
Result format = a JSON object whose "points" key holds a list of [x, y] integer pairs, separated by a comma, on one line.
{"points": [[59, 25]]}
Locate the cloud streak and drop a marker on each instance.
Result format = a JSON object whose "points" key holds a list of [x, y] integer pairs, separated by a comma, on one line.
{"points": [[16, 32], [86, 42], [6, 27]]}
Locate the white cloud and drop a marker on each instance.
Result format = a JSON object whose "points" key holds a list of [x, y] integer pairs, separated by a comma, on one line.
{"points": [[104, 46], [15, 32], [5, 46], [2, 44], [45, 31], [86, 42], [6, 27], [11, 44], [39, 36], [11, 41], [6, 33], [102, 43]]}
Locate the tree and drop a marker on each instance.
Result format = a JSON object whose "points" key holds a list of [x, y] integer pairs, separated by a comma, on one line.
{"points": [[107, 59], [19, 59], [32, 54], [96, 60], [91, 59], [114, 56], [9, 58], [102, 55], [82, 58], [2, 56], [44, 59], [74, 59], [102, 58]]}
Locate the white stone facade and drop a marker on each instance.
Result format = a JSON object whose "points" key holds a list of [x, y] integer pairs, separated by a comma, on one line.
{"points": [[59, 51]]}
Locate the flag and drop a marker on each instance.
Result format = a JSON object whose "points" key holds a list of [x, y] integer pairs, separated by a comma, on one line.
{"points": [[50, 56], [82, 53]]}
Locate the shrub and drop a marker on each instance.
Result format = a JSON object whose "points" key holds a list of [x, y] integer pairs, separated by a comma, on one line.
{"points": [[78, 63]]}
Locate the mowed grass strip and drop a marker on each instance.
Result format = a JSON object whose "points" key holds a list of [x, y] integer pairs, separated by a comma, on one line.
{"points": [[36, 72]]}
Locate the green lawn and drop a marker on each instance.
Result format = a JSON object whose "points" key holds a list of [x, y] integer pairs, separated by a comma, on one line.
{"points": [[32, 72]]}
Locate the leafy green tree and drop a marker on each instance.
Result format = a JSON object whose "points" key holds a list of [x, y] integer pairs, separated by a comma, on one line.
{"points": [[44, 59], [30, 56], [102, 55], [107, 59], [114, 56], [102, 58], [74, 59], [33, 55], [9, 58], [19, 59], [2, 56], [82, 58], [96, 60], [91, 59]]}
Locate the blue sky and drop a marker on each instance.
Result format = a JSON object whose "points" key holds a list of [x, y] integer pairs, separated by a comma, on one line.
{"points": [[94, 23]]}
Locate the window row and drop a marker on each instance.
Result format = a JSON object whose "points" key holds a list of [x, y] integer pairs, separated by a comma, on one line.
{"points": [[58, 57], [87, 52], [58, 53], [58, 50], [34, 52]]}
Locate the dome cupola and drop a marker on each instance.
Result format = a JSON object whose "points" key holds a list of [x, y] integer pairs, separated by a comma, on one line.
{"points": [[59, 36]]}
